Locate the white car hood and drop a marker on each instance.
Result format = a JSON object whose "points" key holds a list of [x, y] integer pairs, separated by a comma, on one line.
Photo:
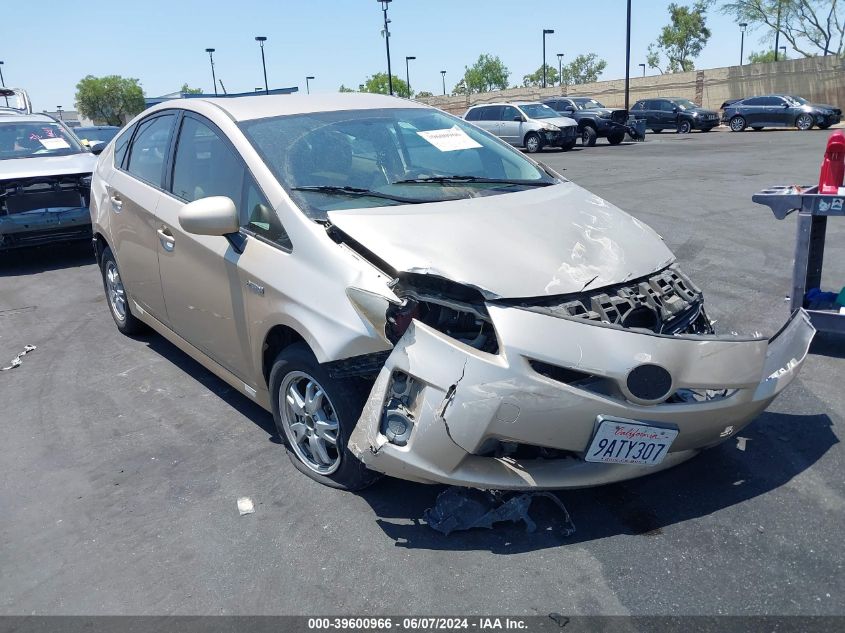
{"points": [[540, 242], [14, 168], [561, 121]]}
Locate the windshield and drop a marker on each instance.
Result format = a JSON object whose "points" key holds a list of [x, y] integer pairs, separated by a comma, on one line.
{"points": [[28, 139], [685, 104], [587, 104], [96, 134], [383, 157], [538, 111]]}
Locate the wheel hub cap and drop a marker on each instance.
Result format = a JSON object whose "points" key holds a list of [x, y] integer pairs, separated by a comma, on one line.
{"points": [[310, 422], [116, 293]]}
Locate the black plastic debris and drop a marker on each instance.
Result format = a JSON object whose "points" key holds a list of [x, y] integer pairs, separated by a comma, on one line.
{"points": [[466, 508]]}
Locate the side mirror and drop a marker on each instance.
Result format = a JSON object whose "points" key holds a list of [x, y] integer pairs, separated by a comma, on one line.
{"points": [[216, 215], [98, 148], [675, 109]]}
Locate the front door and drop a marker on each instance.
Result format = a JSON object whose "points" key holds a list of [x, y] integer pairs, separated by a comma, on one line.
{"points": [[511, 129], [134, 193]]}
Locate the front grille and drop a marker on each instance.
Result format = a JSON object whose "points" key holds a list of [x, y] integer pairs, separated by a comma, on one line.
{"points": [[666, 302], [46, 200], [44, 192]]}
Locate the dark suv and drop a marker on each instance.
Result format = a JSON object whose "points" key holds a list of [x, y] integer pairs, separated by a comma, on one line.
{"points": [[680, 115], [778, 111], [594, 120]]}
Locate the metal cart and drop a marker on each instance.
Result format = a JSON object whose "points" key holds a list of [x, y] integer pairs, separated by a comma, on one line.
{"points": [[813, 210]]}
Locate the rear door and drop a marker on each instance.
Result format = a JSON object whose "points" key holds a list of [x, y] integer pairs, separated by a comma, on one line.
{"points": [[511, 129], [651, 112], [668, 116], [754, 111], [134, 191], [778, 112]]}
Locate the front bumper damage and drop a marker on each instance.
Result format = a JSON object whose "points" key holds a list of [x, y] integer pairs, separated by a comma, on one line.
{"points": [[44, 226], [470, 414]]}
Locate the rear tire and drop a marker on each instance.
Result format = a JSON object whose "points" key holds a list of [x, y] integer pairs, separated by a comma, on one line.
{"points": [[738, 124], [117, 297], [804, 122], [615, 138], [532, 143], [314, 415], [588, 136]]}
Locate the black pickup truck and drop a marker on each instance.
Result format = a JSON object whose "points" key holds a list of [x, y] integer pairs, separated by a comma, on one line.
{"points": [[594, 120]]}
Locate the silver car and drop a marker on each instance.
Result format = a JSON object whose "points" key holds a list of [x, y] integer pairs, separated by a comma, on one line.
{"points": [[409, 295], [529, 125]]}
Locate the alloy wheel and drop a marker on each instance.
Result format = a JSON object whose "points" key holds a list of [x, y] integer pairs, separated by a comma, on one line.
{"points": [[116, 292], [805, 122], [310, 422]]}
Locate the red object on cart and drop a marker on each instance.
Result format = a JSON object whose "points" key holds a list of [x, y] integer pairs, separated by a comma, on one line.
{"points": [[832, 176]]}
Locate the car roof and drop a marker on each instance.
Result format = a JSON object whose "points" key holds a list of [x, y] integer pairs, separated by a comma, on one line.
{"points": [[265, 106], [7, 116]]}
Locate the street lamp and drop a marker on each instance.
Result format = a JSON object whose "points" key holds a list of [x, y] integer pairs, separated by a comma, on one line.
{"points": [[59, 110], [643, 67], [545, 33], [628, 60], [386, 35], [408, 74], [307, 85], [560, 69], [261, 39], [742, 26], [210, 52], [443, 77], [783, 48]]}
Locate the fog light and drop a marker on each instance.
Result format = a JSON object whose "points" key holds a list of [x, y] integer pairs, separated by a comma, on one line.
{"points": [[651, 383], [397, 427]]}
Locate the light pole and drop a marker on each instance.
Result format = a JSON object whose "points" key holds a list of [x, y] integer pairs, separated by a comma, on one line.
{"points": [[386, 34], [59, 110], [307, 85], [545, 33], [777, 32], [742, 26], [261, 39], [783, 48], [210, 52], [3, 82], [643, 67], [560, 69], [443, 77], [628, 60], [408, 74]]}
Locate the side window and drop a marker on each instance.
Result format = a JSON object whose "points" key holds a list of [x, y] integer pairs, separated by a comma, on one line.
{"points": [[509, 113], [775, 102], [756, 101], [667, 106], [639, 105], [121, 145], [473, 115], [492, 113], [205, 165], [148, 152]]}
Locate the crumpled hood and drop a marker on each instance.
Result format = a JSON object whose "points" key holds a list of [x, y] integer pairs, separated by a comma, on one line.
{"points": [[14, 168], [561, 121], [545, 241]]}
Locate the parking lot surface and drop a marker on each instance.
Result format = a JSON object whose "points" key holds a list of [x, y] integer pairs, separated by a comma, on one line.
{"points": [[123, 458]]}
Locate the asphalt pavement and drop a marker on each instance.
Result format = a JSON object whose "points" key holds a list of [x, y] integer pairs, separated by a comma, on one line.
{"points": [[122, 459]]}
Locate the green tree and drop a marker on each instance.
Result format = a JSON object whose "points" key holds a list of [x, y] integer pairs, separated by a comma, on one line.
{"points": [[378, 84], [536, 78], [584, 69], [683, 39], [765, 57], [112, 99], [344, 89], [460, 88], [812, 27], [424, 93], [186, 89], [486, 74]]}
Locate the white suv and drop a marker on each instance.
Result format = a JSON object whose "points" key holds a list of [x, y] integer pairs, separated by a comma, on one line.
{"points": [[529, 125]]}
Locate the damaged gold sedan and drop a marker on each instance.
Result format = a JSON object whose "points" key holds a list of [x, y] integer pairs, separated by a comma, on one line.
{"points": [[411, 296]]}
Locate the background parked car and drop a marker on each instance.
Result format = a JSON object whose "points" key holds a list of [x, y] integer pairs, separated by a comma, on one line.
{"points": [[778, 111], [96, 134], [529, 125], [594, 120], [680, 115], [45, 181]]}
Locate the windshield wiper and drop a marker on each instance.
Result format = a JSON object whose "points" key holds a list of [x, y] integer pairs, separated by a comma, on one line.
{"points": [[460, 180], [355, 192]]}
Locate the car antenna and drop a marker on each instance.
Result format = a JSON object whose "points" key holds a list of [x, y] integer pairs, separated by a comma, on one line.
{"points": [[222, 86]]}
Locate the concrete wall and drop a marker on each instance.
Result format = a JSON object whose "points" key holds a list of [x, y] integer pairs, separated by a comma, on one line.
{"points": [[819, 79]]}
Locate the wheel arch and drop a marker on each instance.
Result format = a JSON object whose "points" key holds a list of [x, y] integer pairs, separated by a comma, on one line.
{"points": [[100, 245], [277, 339]]}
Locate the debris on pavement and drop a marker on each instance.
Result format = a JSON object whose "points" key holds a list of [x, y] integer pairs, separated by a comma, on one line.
{"points": [[16, 361], [245, 506], [466, 508]]}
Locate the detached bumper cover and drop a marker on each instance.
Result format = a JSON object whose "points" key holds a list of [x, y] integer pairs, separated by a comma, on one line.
{"points": [[43, 226], [466, 398]]}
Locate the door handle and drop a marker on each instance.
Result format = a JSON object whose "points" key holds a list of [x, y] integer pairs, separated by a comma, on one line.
{"points": [[168, 242], [116, 203]]}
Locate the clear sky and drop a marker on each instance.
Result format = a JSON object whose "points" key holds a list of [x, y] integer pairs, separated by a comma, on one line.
{"points": [[48, 46]]}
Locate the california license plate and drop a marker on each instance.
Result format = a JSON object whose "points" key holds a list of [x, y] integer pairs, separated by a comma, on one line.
{"points": [[620, 441]]}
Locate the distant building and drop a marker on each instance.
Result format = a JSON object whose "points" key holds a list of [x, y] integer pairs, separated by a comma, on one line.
{"points": [[71, 118], [151, 101]]}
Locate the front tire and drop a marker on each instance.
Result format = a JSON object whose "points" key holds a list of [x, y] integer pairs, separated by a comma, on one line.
{"points": [[615, 138], [117, 297], [738, 124], [804, 122], [568, 146], [314, 415], [532, 143], [684, 126]]}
